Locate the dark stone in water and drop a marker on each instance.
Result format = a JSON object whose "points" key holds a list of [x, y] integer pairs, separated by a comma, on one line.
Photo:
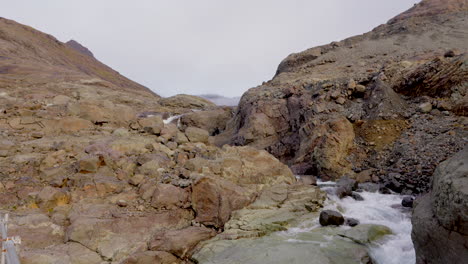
{"points": [[330, 217], [352, 222], [342, 192], [356, 196], [369, 187], [346, 186], [385, 190], [407, 201]]}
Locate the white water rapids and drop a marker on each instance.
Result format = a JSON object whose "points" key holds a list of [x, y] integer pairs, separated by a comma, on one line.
{"points": [[381, 209]]}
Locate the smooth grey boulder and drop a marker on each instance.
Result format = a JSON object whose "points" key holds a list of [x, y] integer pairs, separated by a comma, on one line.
{"points": [[440, 218]]}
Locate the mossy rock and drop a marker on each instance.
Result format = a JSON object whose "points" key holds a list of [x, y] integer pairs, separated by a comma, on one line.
{"points": [[366, 233]]}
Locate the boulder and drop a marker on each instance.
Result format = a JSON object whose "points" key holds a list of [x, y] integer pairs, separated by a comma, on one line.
{"points": [[152, 125], [345, 187], [332, 148], [329, 217], [213, 121], [440, 219], [214, 199], [195, 134]]}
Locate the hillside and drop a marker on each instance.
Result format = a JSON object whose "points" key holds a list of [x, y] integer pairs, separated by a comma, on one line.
{"points": [[30, 58], [356, 102]]}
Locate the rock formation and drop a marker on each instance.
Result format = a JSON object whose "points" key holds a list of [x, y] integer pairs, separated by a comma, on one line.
{"points": [[94, 170], [440, 220], [391, 102]]}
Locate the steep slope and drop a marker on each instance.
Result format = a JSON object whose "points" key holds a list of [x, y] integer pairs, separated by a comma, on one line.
{"points": [[80, 48], [387, 105], [29, 58]]}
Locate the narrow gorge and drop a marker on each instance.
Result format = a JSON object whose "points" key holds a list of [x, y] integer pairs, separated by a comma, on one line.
{"points": [[354, 152]]}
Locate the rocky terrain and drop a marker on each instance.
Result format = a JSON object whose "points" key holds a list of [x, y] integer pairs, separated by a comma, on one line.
{"points": [[388, 105], [95, 168]]}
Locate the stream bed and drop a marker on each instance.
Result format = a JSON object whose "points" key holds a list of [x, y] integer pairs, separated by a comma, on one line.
{"points": [[376, 208], [383, 236]]}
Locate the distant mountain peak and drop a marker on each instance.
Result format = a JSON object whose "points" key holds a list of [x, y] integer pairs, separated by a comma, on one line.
{"points": [[80, 48]]}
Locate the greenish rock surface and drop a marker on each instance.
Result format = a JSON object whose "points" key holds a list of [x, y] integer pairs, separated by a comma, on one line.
{"points": [[319, 246], [365, 234]]}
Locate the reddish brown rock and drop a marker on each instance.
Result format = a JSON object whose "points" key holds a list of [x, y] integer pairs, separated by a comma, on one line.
{"points": [[214, 199], [167, 196]]}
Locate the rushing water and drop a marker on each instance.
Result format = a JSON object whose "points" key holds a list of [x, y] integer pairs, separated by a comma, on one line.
{"points": [[381, 209], [172, 118]]}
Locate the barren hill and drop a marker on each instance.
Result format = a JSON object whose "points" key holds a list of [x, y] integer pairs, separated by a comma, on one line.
{"points": [[31, 58]]}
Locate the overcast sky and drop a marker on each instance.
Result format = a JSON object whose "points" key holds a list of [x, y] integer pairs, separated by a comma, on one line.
{"points": [[201, 46]]}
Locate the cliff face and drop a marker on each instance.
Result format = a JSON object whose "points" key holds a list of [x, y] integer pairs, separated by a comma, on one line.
{"points": [[31, 58], [387, 105]]}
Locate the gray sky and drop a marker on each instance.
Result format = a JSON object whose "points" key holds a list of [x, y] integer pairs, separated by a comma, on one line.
{"points": [[202, 46]]}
